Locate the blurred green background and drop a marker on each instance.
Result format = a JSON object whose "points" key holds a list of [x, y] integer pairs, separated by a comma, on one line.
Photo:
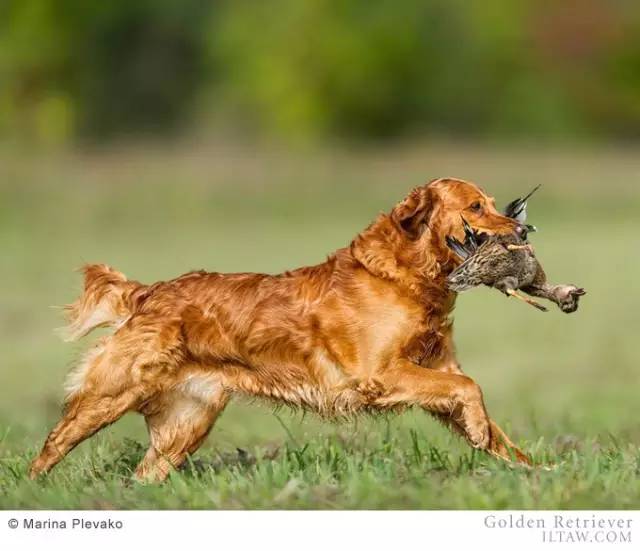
{"points": [[163, 136], [313, 70]]}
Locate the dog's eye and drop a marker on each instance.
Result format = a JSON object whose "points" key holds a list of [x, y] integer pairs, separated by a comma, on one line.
{"points": [[476, 207]]}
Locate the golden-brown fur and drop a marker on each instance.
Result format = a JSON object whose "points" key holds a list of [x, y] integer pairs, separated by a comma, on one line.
{"points": [[367, 330]]}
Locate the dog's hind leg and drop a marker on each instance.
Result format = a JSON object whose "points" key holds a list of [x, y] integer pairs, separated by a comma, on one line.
{"points": [[85, 415], [116, 376], [101, 390], [179, 420]]}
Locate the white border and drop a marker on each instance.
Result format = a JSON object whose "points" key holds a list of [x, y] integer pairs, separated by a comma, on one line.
{"points": [[319, 530]]}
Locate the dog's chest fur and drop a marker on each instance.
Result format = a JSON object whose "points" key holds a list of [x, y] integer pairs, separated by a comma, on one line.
{"points": [[428, 342]]}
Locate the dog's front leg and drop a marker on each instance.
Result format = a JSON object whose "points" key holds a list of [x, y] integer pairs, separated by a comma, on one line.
{"points": [[501, 445], [453, 398]]}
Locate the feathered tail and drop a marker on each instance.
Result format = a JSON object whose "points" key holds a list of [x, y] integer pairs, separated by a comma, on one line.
{"points": [[108, 300]]}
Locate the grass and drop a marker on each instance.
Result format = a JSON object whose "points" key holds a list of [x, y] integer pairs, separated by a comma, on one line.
{"points": [[565, 387], [404, 469]]}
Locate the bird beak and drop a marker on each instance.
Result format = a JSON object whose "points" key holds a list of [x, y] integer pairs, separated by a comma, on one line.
{"points": [[522, 231]]}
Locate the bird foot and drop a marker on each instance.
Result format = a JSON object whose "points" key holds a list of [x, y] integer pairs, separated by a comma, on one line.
{"points": [[526, 247]]}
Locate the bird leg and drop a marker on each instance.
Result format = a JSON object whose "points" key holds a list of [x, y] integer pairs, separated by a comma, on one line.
{"points": [[514, 293]]}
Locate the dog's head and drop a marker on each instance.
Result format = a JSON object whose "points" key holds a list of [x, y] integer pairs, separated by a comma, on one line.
{"points": [[440, 206], [413, 236]]}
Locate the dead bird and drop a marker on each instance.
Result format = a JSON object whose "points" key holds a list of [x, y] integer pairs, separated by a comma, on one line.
{"points": [[504, 262], [507, 263]]}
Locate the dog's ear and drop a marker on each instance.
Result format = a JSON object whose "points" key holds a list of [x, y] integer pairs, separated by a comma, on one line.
{"points": [[382, 247], [375, 248], [412, 214]]}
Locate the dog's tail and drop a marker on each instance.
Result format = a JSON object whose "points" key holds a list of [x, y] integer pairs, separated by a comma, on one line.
{"points": [[108, 300]]}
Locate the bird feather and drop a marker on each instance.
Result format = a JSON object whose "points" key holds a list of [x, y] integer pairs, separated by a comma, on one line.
{"points": [[517, 209]]}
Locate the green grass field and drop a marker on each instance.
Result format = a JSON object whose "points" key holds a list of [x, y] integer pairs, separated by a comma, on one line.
{"points": [[565, 387]]}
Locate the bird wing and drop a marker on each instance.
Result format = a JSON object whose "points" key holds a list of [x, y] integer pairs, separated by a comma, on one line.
{"points": [[459, 248], [490, 263], [518, 209], [468, 275], [470, 236], [472, 241], [463, 279]]}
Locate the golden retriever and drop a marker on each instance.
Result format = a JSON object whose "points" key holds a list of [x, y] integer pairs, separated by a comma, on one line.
{"points": [[367, 330]]}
